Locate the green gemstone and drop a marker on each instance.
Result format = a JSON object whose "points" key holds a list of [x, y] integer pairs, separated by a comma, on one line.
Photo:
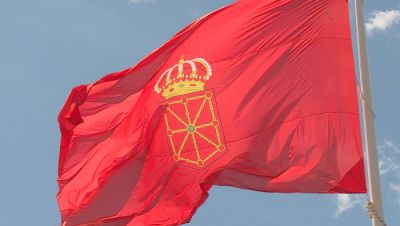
{"points": [[191, 128]]}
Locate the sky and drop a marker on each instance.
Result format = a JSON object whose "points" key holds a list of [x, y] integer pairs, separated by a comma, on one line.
{"points": [[49, 46]]}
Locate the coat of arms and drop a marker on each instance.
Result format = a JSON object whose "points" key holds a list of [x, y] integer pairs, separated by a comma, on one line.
{"points": [[191, 116]]}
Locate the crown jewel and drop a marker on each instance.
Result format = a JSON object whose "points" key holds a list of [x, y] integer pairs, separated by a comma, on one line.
{"points": [[187, 76]]}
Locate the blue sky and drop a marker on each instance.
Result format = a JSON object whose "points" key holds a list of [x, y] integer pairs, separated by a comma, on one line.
{"points": [[49, 46]]}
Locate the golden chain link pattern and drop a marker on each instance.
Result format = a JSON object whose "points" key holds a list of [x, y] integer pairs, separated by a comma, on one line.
{"points": [[191, 129]]}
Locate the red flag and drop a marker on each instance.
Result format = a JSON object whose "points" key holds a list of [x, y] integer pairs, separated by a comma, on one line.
{"points": [[258, 95]]}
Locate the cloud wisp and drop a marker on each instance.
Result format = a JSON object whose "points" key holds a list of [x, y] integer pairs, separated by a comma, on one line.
{"points": [[345, 202], [389, 162], [396, 188], [389, 165], [140, 1], [382, 20]]}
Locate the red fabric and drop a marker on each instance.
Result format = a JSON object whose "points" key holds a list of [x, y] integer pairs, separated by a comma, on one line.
{"points": [[283, 95]]}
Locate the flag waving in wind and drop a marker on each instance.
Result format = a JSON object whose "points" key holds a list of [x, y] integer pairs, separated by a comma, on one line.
{"points": [[258, 95]]}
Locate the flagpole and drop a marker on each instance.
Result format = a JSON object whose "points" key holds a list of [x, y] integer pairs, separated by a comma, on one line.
{"points": [[375, 206]]}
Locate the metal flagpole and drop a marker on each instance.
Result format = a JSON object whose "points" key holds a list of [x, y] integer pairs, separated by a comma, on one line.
{"points": [[375, 207]]}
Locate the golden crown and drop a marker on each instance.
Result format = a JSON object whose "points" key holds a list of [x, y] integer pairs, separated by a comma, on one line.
{"points": [[187, 76]]}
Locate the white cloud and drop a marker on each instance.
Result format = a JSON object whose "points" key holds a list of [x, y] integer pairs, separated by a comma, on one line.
{"points": [[389, 166], [140, 1], [345, 202], [382, 20], [396, 188], [389, 162], [391, 145]]}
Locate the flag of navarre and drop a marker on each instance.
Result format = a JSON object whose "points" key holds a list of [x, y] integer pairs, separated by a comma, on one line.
{"points": [[266, 102]]}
